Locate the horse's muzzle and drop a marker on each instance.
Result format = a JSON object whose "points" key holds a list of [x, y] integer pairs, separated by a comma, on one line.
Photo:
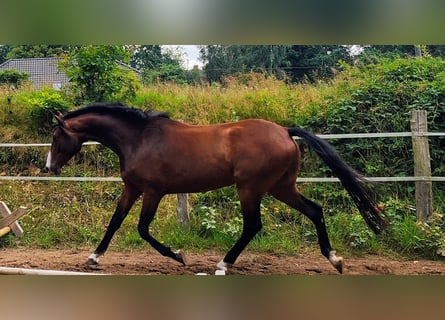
{"points": [[54, 170], [51, 167]]}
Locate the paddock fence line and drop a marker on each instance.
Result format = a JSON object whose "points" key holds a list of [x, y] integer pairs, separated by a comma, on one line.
{"points": [[299, 180], [323, 136], [419, 135]]}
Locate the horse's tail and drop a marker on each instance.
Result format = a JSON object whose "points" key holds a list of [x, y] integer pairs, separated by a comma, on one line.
{"points": [[354, 183]]}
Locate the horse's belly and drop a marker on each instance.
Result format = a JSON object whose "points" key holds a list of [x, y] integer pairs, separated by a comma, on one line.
{"points": [[199, 183]]}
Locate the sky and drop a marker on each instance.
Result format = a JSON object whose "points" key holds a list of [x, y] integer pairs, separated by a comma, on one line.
{"points": [[192, 52], [191, 55]]}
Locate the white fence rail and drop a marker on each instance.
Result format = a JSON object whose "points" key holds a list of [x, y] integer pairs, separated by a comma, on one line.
{"points": [[300, 179]]}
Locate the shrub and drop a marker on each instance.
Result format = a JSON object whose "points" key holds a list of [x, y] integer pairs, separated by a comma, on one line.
{"points": [[95, 75], [43, 105], [379, 98], [13, 77]]}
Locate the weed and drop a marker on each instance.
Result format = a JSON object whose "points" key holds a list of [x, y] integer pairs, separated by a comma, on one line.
{"points": [[207, 217]]}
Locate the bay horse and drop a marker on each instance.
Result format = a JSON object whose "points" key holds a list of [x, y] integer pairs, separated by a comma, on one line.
{"points": [[160, 156]]}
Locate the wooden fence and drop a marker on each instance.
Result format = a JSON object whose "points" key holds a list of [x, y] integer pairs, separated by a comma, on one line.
{"points": [[422, 169]]}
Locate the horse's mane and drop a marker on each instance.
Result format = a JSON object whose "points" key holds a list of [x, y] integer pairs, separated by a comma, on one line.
{"points": [[117, 110]]}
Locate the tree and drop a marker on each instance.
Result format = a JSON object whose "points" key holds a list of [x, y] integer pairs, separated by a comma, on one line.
{"points": [[94, 74], [156, 64], [146, 56], [436, 50], [374, 53], [4, 49], [221, 61], [165, 73], [37, 51], [279, 60], [315, 62], [217, 62], [194, 76]]}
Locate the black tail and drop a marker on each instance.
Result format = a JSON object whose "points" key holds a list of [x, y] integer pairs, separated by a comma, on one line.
{"points": [[354, 183]]}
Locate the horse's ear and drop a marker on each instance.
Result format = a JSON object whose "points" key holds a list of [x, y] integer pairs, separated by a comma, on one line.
{"points": [[62, 123], [59, 119]]}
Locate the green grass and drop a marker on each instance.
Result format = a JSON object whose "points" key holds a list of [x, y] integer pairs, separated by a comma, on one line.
{"points": [[67, 214]]}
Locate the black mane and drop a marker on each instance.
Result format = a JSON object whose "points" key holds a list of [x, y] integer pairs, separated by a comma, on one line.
{"points": [[118, 110]]}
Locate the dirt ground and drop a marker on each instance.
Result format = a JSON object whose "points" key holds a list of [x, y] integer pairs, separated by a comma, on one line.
{"points": [[151, 263]]}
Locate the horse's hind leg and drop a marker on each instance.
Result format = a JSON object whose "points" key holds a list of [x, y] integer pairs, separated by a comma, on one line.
{"points": [[250, 207], [126, 200], [292, 197], [150, 204]]}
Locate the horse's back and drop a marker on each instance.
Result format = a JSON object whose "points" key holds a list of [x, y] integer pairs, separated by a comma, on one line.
{"points": [[201, 158], [255, 140], [246, 138]]}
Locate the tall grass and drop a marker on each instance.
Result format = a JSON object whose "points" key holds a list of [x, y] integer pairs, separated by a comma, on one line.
{"points": [[253, 96]]}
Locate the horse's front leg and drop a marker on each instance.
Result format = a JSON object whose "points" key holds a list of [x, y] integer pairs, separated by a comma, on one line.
{"points": [[126, 201], [150, 202]]}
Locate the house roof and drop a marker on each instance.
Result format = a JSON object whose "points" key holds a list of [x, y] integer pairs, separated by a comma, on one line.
{"points": [[41, 71], [45, 71]]}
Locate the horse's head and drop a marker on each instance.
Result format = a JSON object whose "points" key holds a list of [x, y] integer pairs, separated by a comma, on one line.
{"points": [[65, 144]]}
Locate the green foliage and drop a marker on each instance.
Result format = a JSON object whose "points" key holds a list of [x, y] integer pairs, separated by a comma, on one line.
{"points": [[218, 213], [373, 54], [412, 238], [132, 240], [95, 74], [194, 77], [222, 61], [379, 99], [432, 236], [131, 84], [36, 51], [159, 66], [13, 77], [294, 62], [42, 106], [315, 62], [350, 230], [149, 57], [207, 217], [4, 49], [165, 73]]}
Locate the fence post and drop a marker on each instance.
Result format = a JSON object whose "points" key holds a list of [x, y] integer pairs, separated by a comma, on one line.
{"points": [[422, 165], [182, 211]]}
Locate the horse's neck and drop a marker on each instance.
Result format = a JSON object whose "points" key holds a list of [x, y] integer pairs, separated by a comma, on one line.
{"points": [[112, 133]]}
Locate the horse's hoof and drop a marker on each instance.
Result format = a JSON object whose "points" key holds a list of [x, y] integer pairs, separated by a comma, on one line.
{"points": [[223, 266], [94, 267], [180, 257], [93, 260], [339, 266], [337, 262], [91, 264]]}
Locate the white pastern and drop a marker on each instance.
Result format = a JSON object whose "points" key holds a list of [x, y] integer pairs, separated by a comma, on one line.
{"points": [[337, 262], [48, 160], [222, 266], [93, 259]]}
